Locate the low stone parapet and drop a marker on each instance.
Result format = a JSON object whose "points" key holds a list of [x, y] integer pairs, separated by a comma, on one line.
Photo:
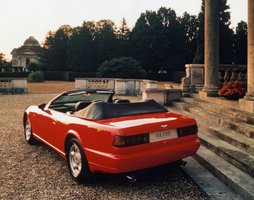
{"points": [[127, 86], [95, 83], [162, 96], [13, 85], [120, 86], [195, 76]]}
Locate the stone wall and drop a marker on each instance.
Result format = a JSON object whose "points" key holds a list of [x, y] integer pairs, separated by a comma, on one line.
{"points": [[194, 78], [13, 85], [162, 96], [120, 86]]}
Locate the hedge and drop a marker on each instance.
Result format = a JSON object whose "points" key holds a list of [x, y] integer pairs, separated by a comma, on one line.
{"points": [[14, 74], [67, 76], [36, 76]]}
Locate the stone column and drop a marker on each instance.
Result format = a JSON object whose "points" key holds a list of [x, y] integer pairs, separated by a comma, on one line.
{"points": [[211, 49], [247, 103]]}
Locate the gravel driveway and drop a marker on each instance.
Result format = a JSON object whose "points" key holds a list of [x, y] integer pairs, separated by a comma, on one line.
{"points": [[37, 172]]}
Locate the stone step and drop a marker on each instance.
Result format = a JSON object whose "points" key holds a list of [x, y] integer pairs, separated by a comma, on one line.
{"points": [[230, 175], [239, 127], [218, 100], [235, 156], [210, 184], [244, 143], [216, 106]]}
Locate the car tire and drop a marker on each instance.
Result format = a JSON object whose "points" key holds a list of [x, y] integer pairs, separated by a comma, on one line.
{"points": [[29, 133], [77, 162]]}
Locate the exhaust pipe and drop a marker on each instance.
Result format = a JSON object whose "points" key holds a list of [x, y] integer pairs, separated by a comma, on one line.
{"points": [[132, 178], [183, 163]]}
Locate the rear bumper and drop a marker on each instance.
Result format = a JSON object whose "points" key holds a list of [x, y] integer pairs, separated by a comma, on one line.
{"points": [[109, 163]]}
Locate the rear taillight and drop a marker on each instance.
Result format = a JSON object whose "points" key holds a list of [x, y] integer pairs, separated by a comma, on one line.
{"points": [[125, 141], [188, 130]]}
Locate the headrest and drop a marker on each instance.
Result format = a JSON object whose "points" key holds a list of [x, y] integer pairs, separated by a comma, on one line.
{"points": [[82, 104], [121, 101]]}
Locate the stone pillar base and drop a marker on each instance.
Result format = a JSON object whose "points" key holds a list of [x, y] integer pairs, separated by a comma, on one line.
{"points": [[246, 105], [203, 94]]}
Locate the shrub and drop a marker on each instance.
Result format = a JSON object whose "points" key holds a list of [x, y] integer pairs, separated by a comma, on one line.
{"points": [[123, 67], [36, 76], [34, 66], [73, 75], [56, 75]]}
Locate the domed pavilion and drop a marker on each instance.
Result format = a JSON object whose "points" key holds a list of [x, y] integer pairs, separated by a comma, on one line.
{"points": [[28, 52]]}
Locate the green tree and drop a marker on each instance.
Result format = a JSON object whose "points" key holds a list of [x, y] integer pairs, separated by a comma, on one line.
{"points": [[105, 41], [123, 36], [123, 67], [190, 25], [240, 43], [199, 55], [225, 35], [81, 53], [36, 76], [56, 47], [3, 62], [158, 39], [35, 66]]}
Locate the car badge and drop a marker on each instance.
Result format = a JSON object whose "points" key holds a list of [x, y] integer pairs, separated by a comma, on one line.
{"points": [[164, 126]]}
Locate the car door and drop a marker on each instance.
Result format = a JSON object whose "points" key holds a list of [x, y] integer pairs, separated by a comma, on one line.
{"points": [[58, 128]]}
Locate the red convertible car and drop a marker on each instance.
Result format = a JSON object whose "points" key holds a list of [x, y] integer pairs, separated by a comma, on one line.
{"points": [[96, 133]]}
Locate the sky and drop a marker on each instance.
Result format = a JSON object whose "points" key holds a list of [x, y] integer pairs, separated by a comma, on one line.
{"points": [[23, 18]]}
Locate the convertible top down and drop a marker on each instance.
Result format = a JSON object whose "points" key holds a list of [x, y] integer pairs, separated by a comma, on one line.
{"points": [[96, 133]]}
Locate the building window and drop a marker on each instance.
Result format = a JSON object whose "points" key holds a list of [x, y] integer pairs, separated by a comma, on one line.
{"points": [[27, 62]]}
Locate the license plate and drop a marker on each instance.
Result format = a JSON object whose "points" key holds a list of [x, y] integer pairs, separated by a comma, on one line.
{"points": [[162, 135]]}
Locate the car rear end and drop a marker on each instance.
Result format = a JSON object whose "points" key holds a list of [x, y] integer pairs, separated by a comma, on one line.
{"points": [[147, 141]]}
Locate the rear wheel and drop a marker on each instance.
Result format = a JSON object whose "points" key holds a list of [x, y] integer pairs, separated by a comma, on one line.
{"points": [[77, 162], [28, 133]]}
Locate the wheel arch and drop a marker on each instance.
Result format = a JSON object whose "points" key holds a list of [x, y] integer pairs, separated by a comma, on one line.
{"points": [[24, 118], [71, 134]]}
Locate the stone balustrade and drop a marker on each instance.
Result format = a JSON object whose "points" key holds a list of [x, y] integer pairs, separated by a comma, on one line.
{"points": [[13, 85], [162, 96], [194, 79], [120, 86]]}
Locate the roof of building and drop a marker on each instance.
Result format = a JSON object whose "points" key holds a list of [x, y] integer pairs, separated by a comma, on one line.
{"points": [[31, 41], [30, 45]]}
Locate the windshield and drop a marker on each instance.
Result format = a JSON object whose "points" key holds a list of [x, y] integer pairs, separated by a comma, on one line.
{"points": [[73, 97]]}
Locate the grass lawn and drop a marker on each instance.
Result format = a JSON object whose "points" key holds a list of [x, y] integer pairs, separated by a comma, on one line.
{"points": [[50, 87]]}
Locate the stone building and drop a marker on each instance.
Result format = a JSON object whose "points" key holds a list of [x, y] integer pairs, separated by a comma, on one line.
{"points": [[25, 54]]}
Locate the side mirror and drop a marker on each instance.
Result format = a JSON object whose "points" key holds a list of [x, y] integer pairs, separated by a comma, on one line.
{"points": [[42, 106]]}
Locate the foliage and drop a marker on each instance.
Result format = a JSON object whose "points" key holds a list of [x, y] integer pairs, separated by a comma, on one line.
{"points": [[56, 75], [36, 76], [34, 66], [1, 57], [3, 62], [82, 50], [14, 74], [123, 67], [158, 40], [189, 24], [240, 43], [56, 46], [123, 36], [233, 90], [225, 35]]}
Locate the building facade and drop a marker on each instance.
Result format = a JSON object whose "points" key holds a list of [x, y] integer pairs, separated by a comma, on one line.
{"points": [[29, 52]]}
